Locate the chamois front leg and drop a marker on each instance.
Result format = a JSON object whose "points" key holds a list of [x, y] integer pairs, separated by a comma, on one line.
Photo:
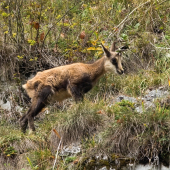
{"points": [[75, 92], [38, 103]]}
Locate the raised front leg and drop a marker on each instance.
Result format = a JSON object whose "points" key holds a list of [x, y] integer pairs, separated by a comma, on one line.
{"points": [[38, 103]]}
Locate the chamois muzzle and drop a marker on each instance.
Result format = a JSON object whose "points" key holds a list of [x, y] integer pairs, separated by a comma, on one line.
{"points": [[120, 71]]}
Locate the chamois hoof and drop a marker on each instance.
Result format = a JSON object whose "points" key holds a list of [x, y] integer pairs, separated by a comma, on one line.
{"points": [[23, 126], [32, 132]]}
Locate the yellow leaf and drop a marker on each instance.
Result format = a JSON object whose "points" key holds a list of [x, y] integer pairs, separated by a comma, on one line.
{"points": [[91, 48], [169, 81], [94, 42], [99, 49], [59, 16], [14, 34], [100, 52], [4, 14], [20, 57]]}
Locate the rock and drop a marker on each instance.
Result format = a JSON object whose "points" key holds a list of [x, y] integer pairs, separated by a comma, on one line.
{"points": [[147, 100], [158, 93], [127, 98], [139, 109], [105, 168], [72, 149], [5, 106]]}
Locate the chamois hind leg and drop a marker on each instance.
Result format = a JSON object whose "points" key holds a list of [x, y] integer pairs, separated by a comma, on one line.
{"points": [[24, 122], [38, 103]]}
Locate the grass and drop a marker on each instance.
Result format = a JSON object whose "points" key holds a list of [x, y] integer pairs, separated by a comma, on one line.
{"points": [[129, 84], [133, 135], [24, 50], [14, 146], [117, 129], [121, 130], [80, 121]]}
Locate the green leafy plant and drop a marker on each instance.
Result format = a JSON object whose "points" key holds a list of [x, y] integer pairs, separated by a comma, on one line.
{"points": [[69, 159], [9, 151]]}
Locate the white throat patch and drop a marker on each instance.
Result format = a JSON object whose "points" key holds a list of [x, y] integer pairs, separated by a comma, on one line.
{"points": [[109, 67]]}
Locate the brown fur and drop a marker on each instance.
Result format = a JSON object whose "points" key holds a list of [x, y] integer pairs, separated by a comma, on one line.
{"points": [[67, 81]]}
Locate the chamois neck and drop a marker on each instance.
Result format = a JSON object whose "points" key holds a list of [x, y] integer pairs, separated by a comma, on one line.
{"points": [[99, 64], [97, 69]]}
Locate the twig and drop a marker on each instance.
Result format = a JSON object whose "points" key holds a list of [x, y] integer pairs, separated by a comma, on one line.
{"points": [[129, 15], [163, 48], [132, 12], [57, 153]]}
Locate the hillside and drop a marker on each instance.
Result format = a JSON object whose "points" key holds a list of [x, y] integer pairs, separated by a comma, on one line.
{"points": [[124, 119]]}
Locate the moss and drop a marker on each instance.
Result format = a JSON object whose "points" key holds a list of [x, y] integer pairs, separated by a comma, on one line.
{"points": [[104, 163], [91, 162], [114, 156]]}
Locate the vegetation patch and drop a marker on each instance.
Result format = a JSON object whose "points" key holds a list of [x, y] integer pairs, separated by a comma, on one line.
{"points": [[136, 135], [81, 120], [38, 35], [15, 147]]}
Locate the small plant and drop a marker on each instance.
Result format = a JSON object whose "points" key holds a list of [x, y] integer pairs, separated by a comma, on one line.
{"points": [[69, 159], [9, 151], [31, 165], [89, 142]]}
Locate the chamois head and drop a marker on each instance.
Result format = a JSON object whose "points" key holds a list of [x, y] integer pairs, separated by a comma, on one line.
{"points": [[113, 62]]}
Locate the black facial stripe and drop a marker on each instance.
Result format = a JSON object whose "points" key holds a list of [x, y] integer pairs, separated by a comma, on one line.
{"points": [[114, 61]]}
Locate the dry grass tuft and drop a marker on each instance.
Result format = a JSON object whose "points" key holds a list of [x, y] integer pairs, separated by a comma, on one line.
{"points": [[137, 135], [79, 122]]}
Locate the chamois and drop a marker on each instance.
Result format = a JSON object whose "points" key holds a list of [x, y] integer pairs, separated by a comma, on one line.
{"points": [[62, 82]]}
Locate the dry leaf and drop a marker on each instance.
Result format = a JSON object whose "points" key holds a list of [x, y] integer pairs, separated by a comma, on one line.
{"points": [[56, 133], [36, 25], [119, 121], [42, 36], [99, 112], [76, 161], [82, 35]]}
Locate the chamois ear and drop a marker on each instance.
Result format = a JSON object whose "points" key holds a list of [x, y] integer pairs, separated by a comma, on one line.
{"points": [[113, 46], [106, 51]]}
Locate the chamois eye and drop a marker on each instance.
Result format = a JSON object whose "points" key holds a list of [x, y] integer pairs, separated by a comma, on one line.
{"points": [[114, 61]]}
